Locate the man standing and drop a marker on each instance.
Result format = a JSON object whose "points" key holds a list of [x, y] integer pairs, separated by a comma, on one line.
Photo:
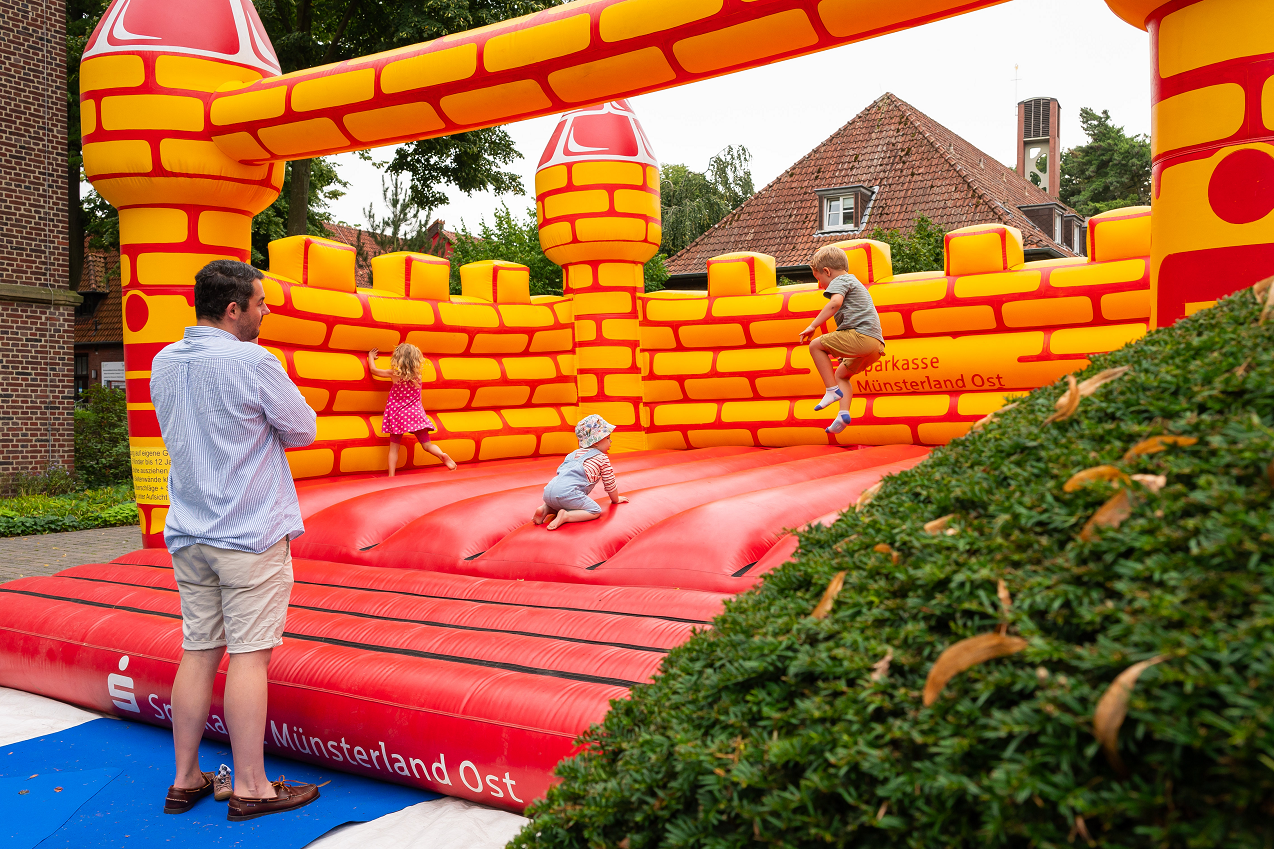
{"points": [[227, 411]]}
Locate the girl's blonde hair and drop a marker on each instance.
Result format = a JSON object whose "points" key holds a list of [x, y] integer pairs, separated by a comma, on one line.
{"points": [[407, 363]]}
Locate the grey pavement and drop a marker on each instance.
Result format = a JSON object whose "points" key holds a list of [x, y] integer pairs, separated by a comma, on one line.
{"points": [[45, 554]]}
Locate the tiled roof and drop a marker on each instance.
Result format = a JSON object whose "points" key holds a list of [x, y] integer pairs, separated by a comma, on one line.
{"points": [[106, 324], [920, 168]]}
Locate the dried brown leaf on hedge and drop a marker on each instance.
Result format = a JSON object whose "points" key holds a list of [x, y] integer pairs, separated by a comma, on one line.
{"points": [[824, 605], [1006, 600], [1269, 301], [1067, 404], [1154, 483], [1097, 381], [1262, 288], [880, 668], [939, 524], [1081, 828], [965, 654], [989, 417], [1109, 515], [1155, 444], [885, 548], [1096, 473], [839, 547], [881, 811], [867, 495], [1112, 707]]}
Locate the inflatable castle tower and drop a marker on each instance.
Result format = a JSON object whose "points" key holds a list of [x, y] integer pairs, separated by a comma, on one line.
{"points": [[597, 197]]}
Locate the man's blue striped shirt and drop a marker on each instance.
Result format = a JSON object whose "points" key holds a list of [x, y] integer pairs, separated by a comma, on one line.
{"points": [[227, 410]]}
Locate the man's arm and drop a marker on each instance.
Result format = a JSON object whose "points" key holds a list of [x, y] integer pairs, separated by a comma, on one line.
{"points": [[829, 309], [284, 406]]}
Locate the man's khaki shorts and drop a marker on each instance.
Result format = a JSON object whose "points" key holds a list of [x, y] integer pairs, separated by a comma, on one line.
{"points": [[232, 598], [852, 345]]}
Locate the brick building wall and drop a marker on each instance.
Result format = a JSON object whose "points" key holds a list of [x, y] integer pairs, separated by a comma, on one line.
{"points": [[36, 306]]}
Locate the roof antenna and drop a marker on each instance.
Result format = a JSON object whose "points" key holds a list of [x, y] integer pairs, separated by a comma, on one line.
{"points": [[1016, 79]]}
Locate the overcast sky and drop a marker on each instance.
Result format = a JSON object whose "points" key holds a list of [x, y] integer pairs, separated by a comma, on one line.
{"points": [[960, 72]]}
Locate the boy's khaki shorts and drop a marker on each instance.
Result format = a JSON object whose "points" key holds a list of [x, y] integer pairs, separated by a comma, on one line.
{"points": [[852, 345], [233, 598]]}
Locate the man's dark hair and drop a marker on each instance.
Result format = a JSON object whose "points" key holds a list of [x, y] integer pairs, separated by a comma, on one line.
{"points": [[219, 283]]}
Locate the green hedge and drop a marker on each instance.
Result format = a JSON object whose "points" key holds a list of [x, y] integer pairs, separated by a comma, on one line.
{"points": [[101, 438], [44, 514], [768, 729]]}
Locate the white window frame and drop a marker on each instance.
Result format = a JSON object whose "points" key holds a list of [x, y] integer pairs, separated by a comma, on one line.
{"points": [[856, 196], [828, 200]]}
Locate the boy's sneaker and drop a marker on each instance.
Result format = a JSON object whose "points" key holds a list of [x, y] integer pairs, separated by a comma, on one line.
{"points": [[839, 423], [830, 397], [222, 784]]}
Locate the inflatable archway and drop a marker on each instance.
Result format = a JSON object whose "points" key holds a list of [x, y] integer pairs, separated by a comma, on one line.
{"points": [[435, 638]]}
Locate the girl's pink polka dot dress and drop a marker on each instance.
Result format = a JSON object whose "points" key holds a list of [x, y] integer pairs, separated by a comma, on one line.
{"points": [[403, 411]]}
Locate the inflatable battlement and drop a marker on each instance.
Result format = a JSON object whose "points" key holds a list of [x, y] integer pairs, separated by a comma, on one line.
{"points": [[723, 366], [499, 373]]}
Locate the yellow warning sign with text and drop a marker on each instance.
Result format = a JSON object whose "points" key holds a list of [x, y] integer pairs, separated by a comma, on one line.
{"points": [[150, 469]]}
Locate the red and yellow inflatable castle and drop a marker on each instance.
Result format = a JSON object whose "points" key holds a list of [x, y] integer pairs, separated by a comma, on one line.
{"points": [[447, 642]]}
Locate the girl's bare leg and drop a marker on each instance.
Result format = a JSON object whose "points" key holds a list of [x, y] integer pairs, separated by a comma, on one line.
{"points": [[428, 445], [393, 455], [564, 516], [542, 514]]}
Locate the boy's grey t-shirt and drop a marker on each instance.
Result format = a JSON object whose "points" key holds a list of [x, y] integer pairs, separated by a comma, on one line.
{"points": [[857, 312]]}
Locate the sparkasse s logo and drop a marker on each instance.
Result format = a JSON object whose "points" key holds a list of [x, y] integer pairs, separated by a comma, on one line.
{"points": [[120, 688]]}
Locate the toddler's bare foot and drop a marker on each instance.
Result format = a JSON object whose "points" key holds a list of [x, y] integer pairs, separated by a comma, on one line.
{"points": [[557, 521], [451, 464], [541, 513]]}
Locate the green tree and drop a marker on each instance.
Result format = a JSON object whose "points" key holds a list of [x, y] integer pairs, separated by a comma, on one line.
{"points": [[323, 185], [692, 201], [515, 239], [307, 33], [101, 437], [922, 249], [510, 238], [85, 216], [1109, 172]]}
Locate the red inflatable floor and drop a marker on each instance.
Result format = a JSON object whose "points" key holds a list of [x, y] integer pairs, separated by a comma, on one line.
{"points": [[472, 663]]}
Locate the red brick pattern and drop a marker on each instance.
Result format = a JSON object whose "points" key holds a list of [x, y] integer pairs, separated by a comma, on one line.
{"points": [[35, 340], [36, 400]]}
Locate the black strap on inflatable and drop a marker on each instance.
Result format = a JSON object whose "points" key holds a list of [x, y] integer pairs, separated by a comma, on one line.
{"points": [[361, 615], [474, 600], [371, 647]]}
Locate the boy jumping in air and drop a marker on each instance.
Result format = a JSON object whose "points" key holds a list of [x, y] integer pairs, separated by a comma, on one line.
{"points": [[857, 340]]}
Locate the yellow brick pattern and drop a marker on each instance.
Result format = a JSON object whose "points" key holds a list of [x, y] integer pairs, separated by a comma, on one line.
{"points": [[499, 379], [727, 368]]}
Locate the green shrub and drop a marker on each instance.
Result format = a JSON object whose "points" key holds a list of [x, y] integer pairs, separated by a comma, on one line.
{"points": [[57, 480], [769, 728], [101, 437], [44, 514]]}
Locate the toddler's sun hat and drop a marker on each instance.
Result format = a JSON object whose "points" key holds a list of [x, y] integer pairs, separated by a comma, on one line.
{"points": [[592, 430]]}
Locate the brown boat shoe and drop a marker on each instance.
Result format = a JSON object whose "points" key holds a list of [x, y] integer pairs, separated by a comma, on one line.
{"points": [[291, 795], [180, 800]]}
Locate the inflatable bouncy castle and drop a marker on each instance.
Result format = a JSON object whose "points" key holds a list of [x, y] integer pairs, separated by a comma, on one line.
{"points": [[436, 638]]}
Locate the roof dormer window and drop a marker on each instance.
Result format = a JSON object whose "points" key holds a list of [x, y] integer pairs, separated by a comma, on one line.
{"points": [[843, 208]]}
